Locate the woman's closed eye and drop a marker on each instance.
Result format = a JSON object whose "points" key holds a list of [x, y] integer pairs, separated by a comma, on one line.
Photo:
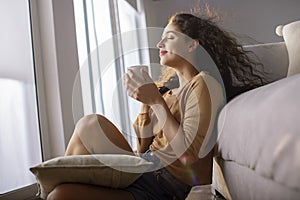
{"points": [[170, 36]]}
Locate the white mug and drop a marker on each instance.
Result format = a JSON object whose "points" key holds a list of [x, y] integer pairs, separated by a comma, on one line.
{"points": [[136, 69]]}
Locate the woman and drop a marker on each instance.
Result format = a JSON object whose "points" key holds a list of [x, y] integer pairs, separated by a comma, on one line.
{"points": [[175, 130]]}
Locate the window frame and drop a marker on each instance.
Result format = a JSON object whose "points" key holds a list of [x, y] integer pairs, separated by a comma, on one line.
{"points": [[50, 58], [29, 191]]}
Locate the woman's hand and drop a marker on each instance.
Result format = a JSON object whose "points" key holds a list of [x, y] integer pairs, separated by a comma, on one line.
{"points": [[145, 108], [144, 90]]}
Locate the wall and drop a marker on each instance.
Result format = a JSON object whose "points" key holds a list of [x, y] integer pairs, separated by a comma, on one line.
{"points": [[256, 19], [251, 22]]}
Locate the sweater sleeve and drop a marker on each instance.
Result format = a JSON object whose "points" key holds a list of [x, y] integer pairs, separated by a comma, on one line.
{"points": [[196, 109], [144, 129], [143, 125]]}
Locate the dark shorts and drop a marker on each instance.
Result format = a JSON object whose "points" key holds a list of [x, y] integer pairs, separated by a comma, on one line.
{"points": [[158, 184]]}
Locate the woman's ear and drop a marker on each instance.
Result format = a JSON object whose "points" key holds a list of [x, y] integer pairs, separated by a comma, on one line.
{"points": [[193, 45]]}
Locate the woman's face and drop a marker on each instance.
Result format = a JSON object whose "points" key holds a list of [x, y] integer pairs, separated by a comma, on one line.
{"points": [[173, 47]]}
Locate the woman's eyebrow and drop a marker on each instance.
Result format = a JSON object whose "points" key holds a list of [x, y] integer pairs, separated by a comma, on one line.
{"points": [[174, 32]]}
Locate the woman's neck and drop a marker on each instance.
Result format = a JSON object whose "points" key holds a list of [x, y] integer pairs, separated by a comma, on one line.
{"points": [[185, 74]]}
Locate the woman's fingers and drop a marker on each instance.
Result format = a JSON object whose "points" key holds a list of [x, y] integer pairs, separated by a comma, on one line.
{"points": [[131, 85], [145, 74], [132, 80], [128, 84], [140, 87]]}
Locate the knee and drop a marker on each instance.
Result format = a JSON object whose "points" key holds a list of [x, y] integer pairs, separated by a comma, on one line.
{"points": [[60, 192], [85, 135], [92, 122], [87, 122], [102, 120]]}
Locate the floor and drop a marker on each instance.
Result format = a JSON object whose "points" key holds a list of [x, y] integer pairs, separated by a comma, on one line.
{"points": [[197, 193], [204, 193], [202, 197]]}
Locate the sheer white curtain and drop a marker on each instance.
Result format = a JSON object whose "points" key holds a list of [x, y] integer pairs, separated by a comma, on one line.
{"points": [[100, 27], [19, 142], [19, 133]]}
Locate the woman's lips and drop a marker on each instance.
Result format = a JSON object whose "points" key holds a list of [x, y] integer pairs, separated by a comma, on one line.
{"points": [[163, 52]]}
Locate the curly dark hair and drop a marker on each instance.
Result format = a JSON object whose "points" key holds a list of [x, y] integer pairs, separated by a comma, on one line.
{"points": [[232, 60]]}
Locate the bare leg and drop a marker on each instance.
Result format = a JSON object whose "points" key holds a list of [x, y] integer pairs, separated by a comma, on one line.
{"points": [[81, 191], [96, 134], [75, 146]]}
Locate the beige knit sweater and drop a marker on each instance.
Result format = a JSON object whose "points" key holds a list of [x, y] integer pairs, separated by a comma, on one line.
{"points": [[195, 106]]}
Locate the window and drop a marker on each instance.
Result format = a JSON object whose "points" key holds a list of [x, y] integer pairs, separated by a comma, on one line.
{"points": [[108, 37], [20, 146]]}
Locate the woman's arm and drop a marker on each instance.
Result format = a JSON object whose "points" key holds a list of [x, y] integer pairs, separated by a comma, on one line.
{"points": [[144, 91], [144, 141], [179, 135], [186, 137], [143, 129]]}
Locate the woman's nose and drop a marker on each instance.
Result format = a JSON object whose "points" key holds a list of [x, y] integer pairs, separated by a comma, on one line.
{"points": [[160, 44]]}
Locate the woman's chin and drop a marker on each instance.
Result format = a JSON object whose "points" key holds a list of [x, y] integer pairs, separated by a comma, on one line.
{"points": [[165, 62]]}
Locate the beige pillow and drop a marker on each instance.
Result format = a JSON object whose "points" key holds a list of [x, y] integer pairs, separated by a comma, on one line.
{"points": [[291, 36], [112, 170]]}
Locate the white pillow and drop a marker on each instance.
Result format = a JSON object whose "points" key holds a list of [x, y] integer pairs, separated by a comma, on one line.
{"points": [[291, 36], [112, 170]]}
